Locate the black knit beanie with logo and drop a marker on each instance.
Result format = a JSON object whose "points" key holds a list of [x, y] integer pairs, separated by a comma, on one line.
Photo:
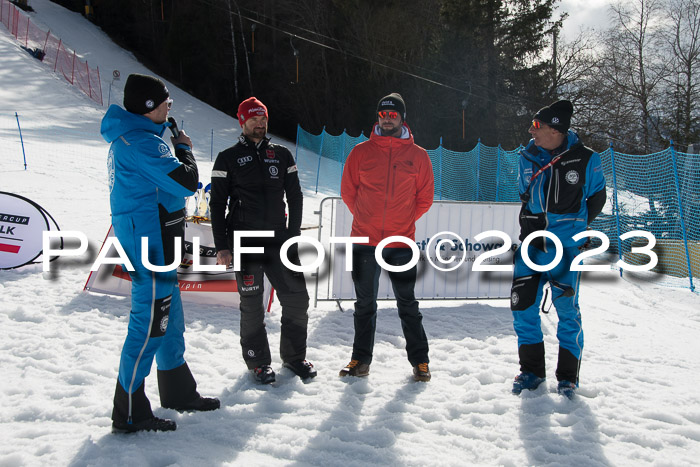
{"points": [[143, 93], [395, 102], [557, 115]]}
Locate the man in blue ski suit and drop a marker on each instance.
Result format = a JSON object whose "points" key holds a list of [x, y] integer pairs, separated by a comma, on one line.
{"points": [[562, 189], [148, 185]]}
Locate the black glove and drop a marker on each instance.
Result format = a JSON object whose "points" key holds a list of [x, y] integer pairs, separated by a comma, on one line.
{"points": [[588, 244]]}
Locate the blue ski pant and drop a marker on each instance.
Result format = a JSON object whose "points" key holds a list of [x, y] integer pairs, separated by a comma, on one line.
{"points": [[156, 321], [526, 296]]}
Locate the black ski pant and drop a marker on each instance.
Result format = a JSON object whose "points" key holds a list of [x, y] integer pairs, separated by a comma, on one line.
{"points": [[290, 288], [365, 277]]}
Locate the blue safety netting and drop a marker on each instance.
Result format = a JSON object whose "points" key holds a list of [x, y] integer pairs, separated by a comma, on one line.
{"points": [[656, 193]]}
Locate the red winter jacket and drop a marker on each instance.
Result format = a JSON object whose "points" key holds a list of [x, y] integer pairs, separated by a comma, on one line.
{"points": [[387, 185]]}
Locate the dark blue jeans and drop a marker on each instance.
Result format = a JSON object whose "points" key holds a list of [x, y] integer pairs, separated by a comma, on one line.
{"points": [[365, 276]]}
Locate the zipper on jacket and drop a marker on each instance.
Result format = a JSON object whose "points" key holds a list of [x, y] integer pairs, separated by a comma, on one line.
{"points": [[386, 192], [241, 217], [546, 216], [556, 186]]}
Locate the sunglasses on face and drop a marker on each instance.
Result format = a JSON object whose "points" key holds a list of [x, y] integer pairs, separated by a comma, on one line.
{"points": [[536, 124], [388, 114], [170, 102]]}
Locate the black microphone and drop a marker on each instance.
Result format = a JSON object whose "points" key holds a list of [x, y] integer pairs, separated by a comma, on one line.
{"points": [[173, 127]]}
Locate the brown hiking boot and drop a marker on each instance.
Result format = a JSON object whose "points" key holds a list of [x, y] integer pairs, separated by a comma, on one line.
{"points": [[355, 368], [421, 372]]}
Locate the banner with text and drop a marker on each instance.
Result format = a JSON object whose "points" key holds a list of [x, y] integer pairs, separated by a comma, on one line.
{"points": [[447, 230], [22, 223]]}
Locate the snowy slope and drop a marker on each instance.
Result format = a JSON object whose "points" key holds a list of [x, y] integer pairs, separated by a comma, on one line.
{"points": [[59, 347]]}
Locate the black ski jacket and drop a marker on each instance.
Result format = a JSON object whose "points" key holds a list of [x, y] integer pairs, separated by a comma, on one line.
{"points": [[252, 180]]}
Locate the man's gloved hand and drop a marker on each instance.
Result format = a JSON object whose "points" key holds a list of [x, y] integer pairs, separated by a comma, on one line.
{"points": [[588, 244], [182, 139]]}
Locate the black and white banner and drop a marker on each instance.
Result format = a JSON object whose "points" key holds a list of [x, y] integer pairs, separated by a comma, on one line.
{"points": [[448, 238], [22, 223]]}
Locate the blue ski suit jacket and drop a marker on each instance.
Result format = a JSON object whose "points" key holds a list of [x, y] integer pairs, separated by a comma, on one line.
{"points": [[565, 197], [148, 185]]}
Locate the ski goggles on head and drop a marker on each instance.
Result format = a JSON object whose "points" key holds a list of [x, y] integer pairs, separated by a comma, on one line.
{"points": [[536, 124], [388, 114]]}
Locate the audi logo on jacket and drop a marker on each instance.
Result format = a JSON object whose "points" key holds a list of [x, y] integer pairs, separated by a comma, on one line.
{"points": [[252, 181]]}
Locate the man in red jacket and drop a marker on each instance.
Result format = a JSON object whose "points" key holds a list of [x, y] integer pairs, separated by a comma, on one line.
{"points": [[387, 185]]}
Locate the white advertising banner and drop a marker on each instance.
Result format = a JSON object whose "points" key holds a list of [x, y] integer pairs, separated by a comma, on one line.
{"points": [[214, 288], [460, 222], [22, 223]]}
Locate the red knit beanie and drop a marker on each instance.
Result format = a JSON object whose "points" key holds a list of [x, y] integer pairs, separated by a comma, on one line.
{"points": [[251, 107]]}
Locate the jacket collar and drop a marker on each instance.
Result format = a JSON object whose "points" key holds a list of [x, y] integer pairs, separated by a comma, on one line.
{"points": [[406, 137], [572, 140], [247, 142]]}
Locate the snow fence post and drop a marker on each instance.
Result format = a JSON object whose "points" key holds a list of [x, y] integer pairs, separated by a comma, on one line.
{"points": [[58, 52], [24, 155], [320, 150], [440, 165], [342, 155], [478, 167], [72, 71], [680, 211], [498, 171], [87, 68], [616, 207], [99, 81]]}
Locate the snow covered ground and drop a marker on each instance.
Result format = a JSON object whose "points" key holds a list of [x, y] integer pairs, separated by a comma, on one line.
{"points": [[638, 404]]}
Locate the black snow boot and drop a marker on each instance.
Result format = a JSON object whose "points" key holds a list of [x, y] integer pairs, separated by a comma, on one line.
{"points": [[567, 366], [178, 390], [140, 418], [532, 359]]}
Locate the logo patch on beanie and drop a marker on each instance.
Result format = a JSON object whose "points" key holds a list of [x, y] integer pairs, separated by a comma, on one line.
{"points": [[555, 120], [257, 111], [150, 104]]}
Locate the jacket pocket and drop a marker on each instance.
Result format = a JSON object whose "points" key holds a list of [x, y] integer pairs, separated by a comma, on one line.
{"points": [[530, 222]]}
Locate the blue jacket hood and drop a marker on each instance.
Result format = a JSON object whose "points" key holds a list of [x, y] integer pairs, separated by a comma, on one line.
{"points": [[118, 122]]}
